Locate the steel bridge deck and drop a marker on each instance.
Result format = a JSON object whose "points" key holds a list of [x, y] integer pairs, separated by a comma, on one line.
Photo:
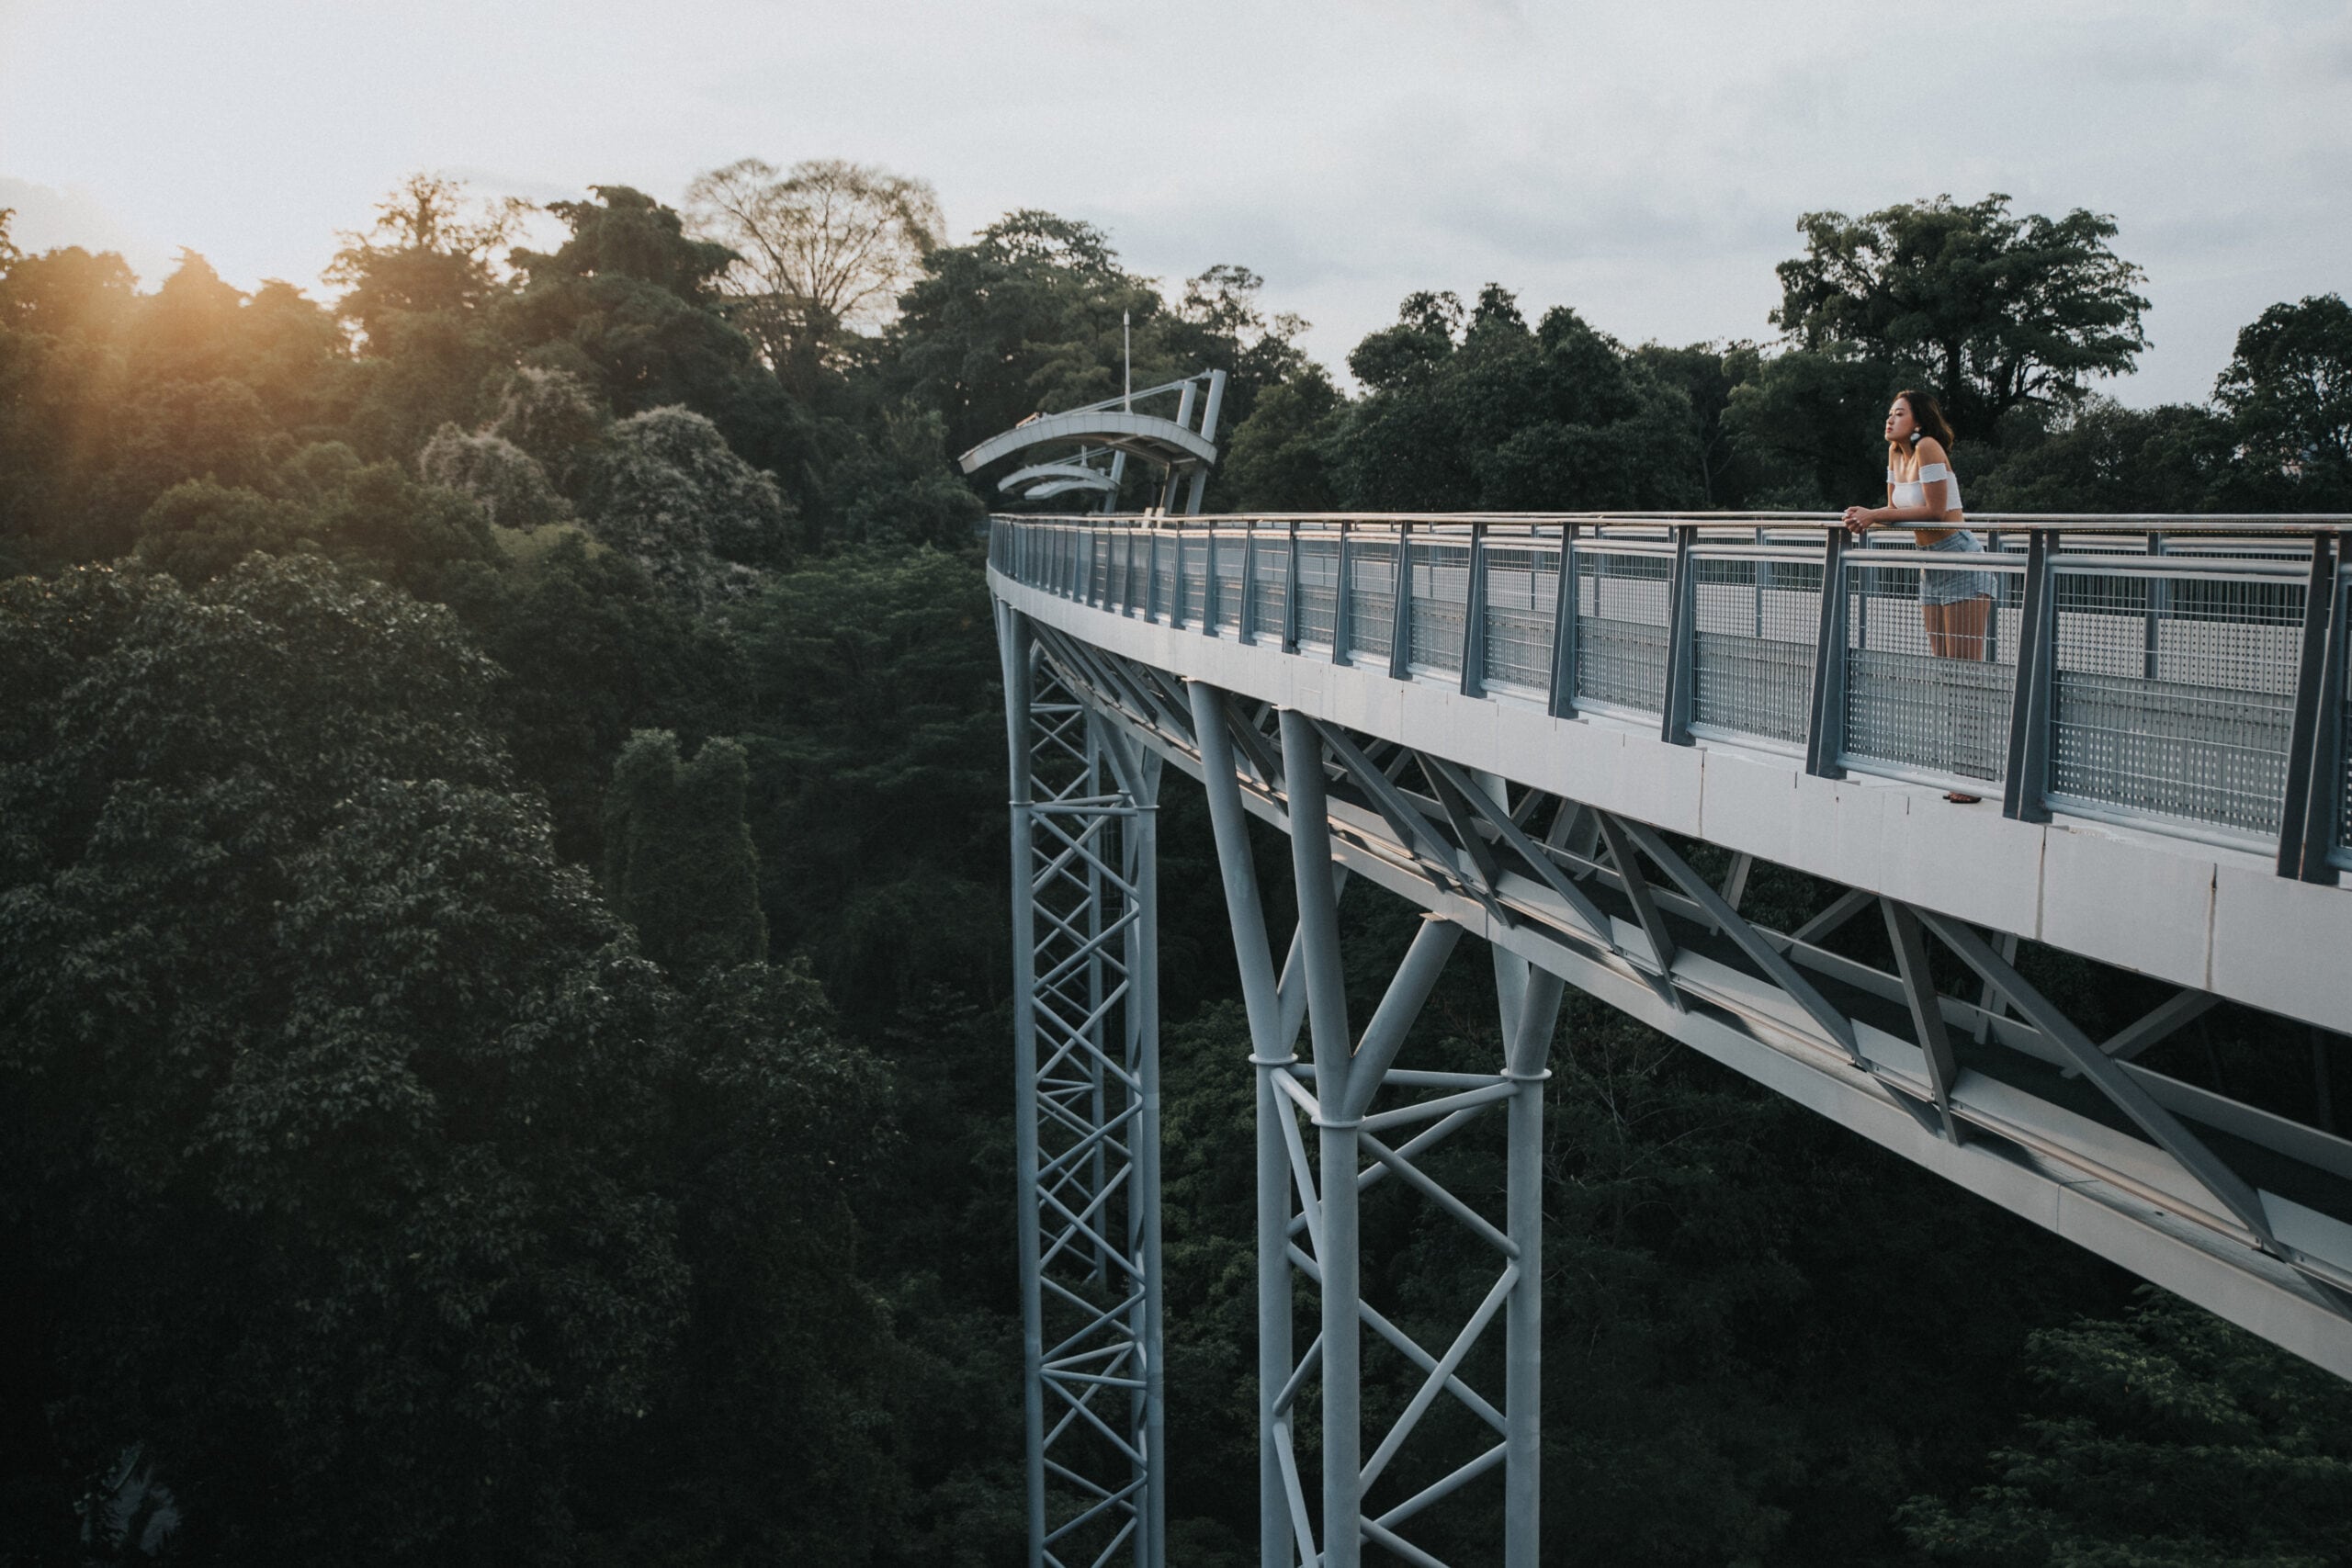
{"points": [[2172, 783]]}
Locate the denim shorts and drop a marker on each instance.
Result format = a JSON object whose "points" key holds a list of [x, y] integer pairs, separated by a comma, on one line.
{"points": [[1944, 587]]}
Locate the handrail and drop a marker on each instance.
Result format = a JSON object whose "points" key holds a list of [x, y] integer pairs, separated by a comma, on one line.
{"points": [[2286, 522], [2198, 693]]}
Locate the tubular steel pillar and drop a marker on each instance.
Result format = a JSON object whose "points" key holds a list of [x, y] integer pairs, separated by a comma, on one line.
{"points": [[1269, 1052], [1336, 1139], [1086, 1047], [1319, 1237]]}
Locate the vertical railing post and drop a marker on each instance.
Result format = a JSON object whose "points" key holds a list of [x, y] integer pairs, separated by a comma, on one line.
{"points": [[1681, 638], [1247, 623], [2159, 606], [2307, 816], [1400, 622], [1825, 726], [1566, 599], [1152, 574], [1474, 617], [1211, 590], [2024, 793], [1343, 596], [1993, 611]]}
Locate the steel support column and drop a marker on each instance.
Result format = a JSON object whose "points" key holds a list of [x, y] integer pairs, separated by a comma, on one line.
{"points": [[1086, 1032]]}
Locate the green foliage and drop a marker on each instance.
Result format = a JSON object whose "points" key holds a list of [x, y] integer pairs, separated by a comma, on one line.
{"points": [[2170, 1441], [631, 300], [1992, 310], [1557, 419], [1809, 421], [901, 490], [670, 493], [876, 747], [1729, 477], [2101, 456], [2288, 389], [678, 859], [1279, 460], [501, 479], [377, 1190], [554, 418]]}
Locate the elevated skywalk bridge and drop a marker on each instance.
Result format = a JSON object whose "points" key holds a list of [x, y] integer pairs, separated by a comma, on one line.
{"points": [[1522, 724]]}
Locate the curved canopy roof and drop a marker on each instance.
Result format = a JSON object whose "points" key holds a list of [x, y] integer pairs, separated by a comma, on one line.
{"points": [[1160, 441], [1061, 476]]}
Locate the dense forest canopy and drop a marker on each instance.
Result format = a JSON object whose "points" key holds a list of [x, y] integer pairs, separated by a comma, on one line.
{"points": [[501, 875]]}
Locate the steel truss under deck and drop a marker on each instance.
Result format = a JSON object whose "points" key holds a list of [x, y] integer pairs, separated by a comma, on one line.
{"points": [[2226, 1204]]}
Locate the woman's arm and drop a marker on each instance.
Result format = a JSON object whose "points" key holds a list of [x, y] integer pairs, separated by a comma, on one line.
{"points": [[1935, 494]]}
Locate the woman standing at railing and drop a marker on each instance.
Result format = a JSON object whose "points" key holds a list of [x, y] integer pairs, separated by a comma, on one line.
{"points": [[1923, 494]]}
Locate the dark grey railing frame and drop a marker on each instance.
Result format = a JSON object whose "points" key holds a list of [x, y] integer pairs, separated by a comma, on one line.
{"points": [[1061, 554]]}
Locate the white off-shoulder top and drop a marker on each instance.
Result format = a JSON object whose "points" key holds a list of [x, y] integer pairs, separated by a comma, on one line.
{"points": [[1913, 493]]}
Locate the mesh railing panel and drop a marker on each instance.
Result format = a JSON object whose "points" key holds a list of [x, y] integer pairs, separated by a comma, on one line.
{"points": [[1193, 587], [1318, 590], [1097, 550], [2175, 698], [1522, 599], [1229, 549], [1932, 701], [1439, 583], [1622, 610], [1372, 596], [1269, 580], [1164, 576], [1755, 626]]}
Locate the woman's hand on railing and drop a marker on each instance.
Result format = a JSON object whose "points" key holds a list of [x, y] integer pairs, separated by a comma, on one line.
{"points": [[1859, 520]]}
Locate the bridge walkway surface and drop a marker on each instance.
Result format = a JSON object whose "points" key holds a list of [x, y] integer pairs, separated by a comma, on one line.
{"points": [[1521, 726]]}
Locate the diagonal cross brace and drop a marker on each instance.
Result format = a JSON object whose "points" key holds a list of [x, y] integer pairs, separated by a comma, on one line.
{"points": [[2108, 1074]]}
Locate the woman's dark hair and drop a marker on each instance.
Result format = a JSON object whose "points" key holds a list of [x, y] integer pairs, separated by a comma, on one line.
{"points": [[1929, 415]]}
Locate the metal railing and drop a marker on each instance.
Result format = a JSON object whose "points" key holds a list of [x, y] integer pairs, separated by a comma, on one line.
{"points": [[2185, 674]]}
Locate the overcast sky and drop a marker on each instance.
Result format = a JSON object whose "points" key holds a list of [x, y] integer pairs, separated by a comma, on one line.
{"points": [[1643, 161]]}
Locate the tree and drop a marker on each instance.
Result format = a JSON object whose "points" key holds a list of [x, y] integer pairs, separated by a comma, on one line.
{"points": [[432, 248], [1504, 418], [1025, 318], [678, 859], [2101, 456], [1809, 424], [874, 758], [821, 251], [418, 285], [363, 1180], [2288, 389], [1706, 373], [2171, 1441], [629, 303], [1989, 310], [1280, 458], [672, 494], [501, 479]]}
